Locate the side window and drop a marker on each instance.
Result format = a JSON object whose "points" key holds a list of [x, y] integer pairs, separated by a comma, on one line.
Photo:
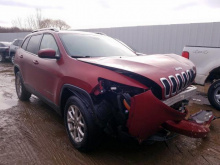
{"points": [[15, 43], [24, 46], [33, 44], [48, 41]]}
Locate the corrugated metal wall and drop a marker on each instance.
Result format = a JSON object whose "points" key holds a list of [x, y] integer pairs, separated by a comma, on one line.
{"points": [[9, 37], [156, 39], [166, 38]]}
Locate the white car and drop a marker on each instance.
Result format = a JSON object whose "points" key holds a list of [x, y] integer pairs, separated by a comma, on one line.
{"points": [[207, 63]]}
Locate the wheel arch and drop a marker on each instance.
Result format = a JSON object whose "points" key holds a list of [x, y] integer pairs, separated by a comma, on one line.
{"points": [[213, 74], [69, 90], [16, 69]]}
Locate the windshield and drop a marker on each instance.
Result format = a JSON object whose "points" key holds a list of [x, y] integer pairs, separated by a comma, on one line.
{"points": [[89, 45]]}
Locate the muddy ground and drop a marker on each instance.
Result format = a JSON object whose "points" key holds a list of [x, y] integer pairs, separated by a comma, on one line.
{"points": [[32, 133]]}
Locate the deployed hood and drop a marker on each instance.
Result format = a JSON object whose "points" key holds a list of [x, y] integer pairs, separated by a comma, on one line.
{"points": [[152, 67]]}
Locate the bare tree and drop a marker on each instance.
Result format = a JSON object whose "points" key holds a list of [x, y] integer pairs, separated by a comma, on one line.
{"points": [[31, 22], [46, 23], [17, 23], [36, 21], [60, 24], [38, 17]]}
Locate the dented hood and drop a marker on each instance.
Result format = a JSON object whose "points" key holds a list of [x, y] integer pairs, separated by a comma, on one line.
{"points": [[153, 67]]}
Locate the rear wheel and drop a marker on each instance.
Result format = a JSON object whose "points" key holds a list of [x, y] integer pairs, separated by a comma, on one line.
{"points": [[83, 133], [2, 59], [22, 93], [214, 94]]}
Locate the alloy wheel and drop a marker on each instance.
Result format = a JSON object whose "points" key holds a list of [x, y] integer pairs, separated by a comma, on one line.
{"points": [[76, 123], [18, 85], [217, 95]]}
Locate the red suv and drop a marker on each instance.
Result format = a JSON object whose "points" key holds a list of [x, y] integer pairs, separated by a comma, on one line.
{"points": [[100, 85]]}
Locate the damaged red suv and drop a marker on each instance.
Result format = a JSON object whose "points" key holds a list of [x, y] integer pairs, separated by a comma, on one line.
{"points": [[100, 85]]}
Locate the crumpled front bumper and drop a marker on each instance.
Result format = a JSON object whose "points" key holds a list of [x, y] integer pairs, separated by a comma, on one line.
{"points": [[148, 115]]}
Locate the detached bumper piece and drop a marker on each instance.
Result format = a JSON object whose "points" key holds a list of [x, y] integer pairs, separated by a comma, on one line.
{"points": [[196, 126], [148, 115]]}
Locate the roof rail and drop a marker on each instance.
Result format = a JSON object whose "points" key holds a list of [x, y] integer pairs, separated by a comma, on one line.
{"points": [[100, 33], [53, 29]]}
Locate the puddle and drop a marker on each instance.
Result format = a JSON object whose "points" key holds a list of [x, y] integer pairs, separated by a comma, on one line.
{"points": [[7, 100], [8, 97]]}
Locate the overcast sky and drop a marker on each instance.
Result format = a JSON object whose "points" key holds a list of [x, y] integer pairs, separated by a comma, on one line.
{"points": [[113, 13]]}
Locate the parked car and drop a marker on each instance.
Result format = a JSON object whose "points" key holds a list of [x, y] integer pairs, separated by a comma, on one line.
{"points": [[13, 47], [207, 63], [4, 51], [99, 85]]}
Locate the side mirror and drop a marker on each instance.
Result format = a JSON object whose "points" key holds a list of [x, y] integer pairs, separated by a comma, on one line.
{"points": [[47, 53]]}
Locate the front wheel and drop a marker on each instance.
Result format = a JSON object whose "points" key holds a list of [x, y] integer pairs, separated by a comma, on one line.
{"points": [[80, 125], [214, 94], [21, 91]]}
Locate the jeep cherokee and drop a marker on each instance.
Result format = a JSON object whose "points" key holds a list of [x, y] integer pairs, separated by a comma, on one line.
{"points": [[100, 85]]}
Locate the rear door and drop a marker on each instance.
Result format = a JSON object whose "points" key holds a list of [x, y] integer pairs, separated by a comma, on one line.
{"points": [[28, 59], [19, 59]]}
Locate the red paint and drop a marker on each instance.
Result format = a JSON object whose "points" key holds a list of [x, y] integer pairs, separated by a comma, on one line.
{"points": [[189, 128], [47, 53], [147, 114]]}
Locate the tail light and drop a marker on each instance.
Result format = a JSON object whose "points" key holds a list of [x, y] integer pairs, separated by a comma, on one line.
{"points": [[185, 54]]}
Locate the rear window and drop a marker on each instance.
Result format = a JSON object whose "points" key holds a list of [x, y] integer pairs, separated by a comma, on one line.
{"points": [[24, 46], [33, 44]]}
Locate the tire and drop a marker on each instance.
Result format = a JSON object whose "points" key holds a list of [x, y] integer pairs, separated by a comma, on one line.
{"points": [[13, 59], [80, 125], [21, 91], [214, 94], [2, 58]]}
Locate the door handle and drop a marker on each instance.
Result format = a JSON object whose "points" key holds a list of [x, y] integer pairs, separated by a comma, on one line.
{"points": [[35, 62], [21, 56]]}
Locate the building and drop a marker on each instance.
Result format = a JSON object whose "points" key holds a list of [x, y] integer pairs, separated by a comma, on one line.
{"points": [[156, 39]]}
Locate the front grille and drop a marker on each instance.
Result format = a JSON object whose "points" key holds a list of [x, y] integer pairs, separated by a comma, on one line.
{"points": [[185, 79], [180, 82], [167, 86], [189, 76], [174, 84], [193, 74]]}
